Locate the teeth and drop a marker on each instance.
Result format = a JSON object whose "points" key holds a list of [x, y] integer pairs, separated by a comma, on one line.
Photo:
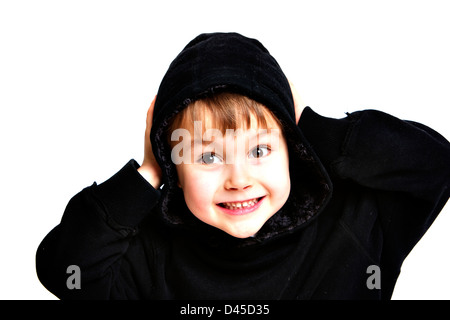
{"points": [[239, 205]]}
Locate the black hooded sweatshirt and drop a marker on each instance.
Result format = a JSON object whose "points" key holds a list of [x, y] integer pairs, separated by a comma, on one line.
{"points": [[365, 188]]}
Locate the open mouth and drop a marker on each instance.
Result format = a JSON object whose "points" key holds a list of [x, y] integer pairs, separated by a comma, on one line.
{"points": [[239, 205]]}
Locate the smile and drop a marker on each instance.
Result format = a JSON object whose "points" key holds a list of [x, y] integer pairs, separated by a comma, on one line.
{"points": [[241, 207]]}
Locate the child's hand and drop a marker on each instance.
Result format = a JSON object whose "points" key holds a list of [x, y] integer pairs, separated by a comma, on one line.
{"points": [[150, 169], [298, 104]]}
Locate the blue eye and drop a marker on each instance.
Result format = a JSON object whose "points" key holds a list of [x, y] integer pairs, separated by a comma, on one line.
{"points": [[259, 152], [209, 158]]}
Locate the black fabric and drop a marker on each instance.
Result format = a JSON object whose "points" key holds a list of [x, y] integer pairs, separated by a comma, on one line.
{"points": [[375, 184]]}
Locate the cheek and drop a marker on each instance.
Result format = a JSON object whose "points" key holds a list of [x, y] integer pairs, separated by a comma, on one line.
{"points": [[198, 192], [277, 176]]}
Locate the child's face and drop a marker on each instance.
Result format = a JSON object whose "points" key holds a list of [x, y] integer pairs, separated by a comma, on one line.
{"points": [[236, 181]]}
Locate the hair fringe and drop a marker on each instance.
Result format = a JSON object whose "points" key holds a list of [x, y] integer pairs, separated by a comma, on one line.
{"points": [[227, 111]]}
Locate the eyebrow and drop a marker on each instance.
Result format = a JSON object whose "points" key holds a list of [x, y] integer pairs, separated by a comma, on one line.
{"points": [[260, 133], [203, 142]]}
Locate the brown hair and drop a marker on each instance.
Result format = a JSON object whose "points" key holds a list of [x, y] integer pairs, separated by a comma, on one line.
{"points": [[227, 111]]}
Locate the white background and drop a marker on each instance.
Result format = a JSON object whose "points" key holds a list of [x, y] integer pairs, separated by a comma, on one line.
{"points": [[77, 77]]}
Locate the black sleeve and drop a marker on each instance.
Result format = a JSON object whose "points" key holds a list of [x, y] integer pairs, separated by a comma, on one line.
{"points": [[406, 164], [385, 153], [94, 234]]}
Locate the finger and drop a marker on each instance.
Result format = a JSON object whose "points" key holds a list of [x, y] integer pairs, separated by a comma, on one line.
{"points": [[150, 112], [298, 104]]}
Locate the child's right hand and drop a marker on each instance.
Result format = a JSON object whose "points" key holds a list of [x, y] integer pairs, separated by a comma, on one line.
{"points": [[150, 169]]}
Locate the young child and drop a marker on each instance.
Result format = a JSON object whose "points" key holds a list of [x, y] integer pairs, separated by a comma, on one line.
{"points": [[244, 195]]}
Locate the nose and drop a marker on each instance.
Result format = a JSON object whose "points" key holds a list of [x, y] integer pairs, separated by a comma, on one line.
{"points": [[238, 177]]}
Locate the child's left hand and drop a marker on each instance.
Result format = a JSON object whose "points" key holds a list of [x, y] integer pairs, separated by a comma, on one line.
{"points": [[298, 104]]}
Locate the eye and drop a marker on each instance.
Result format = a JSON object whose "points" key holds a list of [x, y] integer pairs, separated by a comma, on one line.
{"points": [[259, 152], [209, 158]]}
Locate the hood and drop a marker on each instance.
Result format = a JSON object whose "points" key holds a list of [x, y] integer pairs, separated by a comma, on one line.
{"points": [[231, 62]]}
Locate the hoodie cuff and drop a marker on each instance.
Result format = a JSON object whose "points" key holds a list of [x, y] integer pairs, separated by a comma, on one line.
{"points": [[127, 197], [325, 135]]}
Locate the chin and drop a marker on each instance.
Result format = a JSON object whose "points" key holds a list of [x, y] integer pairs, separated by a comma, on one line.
{"points": [[242, 234]]}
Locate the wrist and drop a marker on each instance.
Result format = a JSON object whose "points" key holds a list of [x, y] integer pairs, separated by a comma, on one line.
{"points": [[151, 175]]}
